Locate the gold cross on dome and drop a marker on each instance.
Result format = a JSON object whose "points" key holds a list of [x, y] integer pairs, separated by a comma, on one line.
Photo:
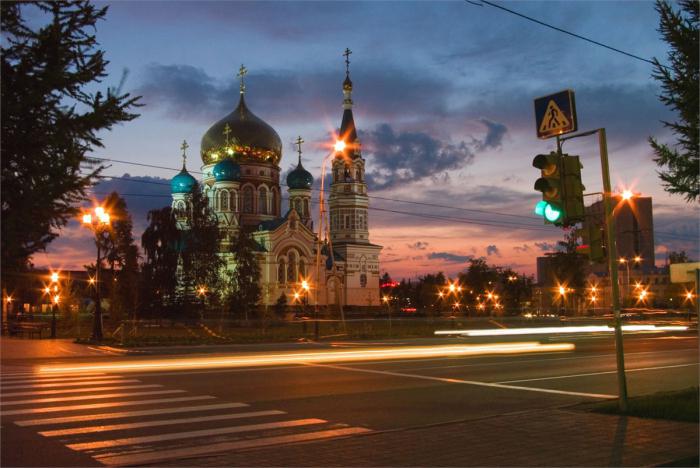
{"points": [[243, 71], [298, 142], [227, 133], [346, 54], [184, 147]]}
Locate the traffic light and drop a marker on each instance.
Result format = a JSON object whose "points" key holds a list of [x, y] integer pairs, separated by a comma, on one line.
{"points": [[550, 184], [561, 187], [592, 243], [572, 190]]}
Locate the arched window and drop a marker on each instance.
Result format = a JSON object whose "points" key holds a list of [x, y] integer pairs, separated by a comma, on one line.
{"points": [[273, 202], [262, 200], [248, 200], [233, 203], [223, 200], [306, 208], [180, 208], [291, 266], [302, 268], [297, 206], [281, 270]]}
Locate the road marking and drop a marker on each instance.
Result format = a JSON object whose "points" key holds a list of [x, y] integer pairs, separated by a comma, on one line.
{"points": [[79, 390], [467, 382], [640, 369], [128, 414], [55, 409], [192, 434], [162, 455], [161, 422], [60, 379], [88, 397], [71, 384], [20, 378]]}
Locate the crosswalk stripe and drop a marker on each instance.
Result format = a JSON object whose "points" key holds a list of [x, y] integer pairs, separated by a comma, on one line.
{"points": [[87, 397], [191, 434], [70, 384], [127, 414], [51, 377], [56, 379], [55, 409], [78, 390], [161, 422], [170, 454]]}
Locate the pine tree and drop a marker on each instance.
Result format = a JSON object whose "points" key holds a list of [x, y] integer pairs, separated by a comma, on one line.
{"points": [[50, 120], [679, 163], [246, 277], [159, 269]]}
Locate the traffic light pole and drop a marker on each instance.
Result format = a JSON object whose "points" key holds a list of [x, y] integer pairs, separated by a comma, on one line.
{"points": [[612, 258]]}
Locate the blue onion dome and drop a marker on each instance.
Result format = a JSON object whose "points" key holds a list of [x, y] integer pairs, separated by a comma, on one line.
{"points": [[227, 171], [300, 178], [183, 182], [243, 135]]}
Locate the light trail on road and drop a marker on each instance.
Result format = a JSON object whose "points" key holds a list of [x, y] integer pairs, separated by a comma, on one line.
{"points": [[553, 330], [314, 357]]}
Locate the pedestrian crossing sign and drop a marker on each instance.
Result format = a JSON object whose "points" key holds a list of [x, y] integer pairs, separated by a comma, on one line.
{"points": [[555, 114]]}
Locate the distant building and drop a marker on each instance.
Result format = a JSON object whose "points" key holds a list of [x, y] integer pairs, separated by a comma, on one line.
{"points": [[634, 230], [545, 271]]}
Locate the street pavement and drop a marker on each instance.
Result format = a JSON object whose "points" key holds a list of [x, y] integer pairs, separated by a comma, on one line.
{"points": [[519, 409]]}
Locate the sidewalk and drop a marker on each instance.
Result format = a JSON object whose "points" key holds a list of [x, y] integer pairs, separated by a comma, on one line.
{"points": [[553, 437], [12, 348]]}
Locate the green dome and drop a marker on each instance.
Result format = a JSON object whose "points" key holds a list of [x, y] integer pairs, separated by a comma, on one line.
{"points": [[300, 178], [227, 171], [183, 182]]}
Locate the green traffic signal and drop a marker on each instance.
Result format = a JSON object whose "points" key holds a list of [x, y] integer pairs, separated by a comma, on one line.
{"points": [[550, 184]]}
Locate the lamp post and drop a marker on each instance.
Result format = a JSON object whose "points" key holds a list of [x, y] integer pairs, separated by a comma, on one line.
{"points": [[385, 299], [99, 224], [56, 297], [306, 287]]}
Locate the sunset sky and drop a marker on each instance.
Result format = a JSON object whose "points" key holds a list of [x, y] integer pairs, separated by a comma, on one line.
{"points": [[443, 101]]}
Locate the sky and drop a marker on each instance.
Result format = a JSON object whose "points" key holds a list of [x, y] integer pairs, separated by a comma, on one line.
{"points": [[443, 95]]}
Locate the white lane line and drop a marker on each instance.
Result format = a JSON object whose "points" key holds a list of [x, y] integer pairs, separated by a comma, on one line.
{"points": [[78, 390], [33, 401], [572, 376], [62, 379], [466, 382], [36, 377], [161, 422], [71, 384], [128, 414], [192, 434], [55, 409], [172, 454]]}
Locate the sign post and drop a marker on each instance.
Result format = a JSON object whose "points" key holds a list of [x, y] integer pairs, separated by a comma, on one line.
{"points": [[555, 114]]}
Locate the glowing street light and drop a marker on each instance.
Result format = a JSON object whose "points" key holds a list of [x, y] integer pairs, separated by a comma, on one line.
{"points": [[627, 194], [54, 277], [339, 145], [99, 225]]}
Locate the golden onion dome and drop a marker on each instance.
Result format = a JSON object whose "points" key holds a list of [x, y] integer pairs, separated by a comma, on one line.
{"points": [[241, 135]]}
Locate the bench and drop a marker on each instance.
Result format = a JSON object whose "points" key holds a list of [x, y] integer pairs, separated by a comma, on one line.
{"points": [[29, 328]]}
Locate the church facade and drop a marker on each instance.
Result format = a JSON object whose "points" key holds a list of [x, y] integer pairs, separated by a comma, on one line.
{"points": [[241, 180]]}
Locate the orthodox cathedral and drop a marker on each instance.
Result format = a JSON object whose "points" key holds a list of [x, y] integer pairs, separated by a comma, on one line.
{"points": [[241, 179]]}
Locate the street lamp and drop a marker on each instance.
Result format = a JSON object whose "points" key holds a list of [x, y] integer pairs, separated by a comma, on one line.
{"points": [[54, 282], [385, 299], [99, 225], [306, 286]]}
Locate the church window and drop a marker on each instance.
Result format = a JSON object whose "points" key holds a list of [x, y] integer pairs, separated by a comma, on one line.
{"points": [[306, 208], [336, 175], [248, 200], [223, 196], [347, 222], [262, 200], [233, 202], [297, 205], [361, 222], [291, 266], [273, 202], [262, 173], [363, 280], [302, 268], [347, 175], [281, 270]]}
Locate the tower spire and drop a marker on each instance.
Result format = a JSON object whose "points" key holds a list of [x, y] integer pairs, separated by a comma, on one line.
{"points": [[243, 71], [347, 62], [298, 142], [184, 147], [347, 128]]}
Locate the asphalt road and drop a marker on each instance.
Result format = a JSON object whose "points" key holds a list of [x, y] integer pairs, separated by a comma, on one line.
{"points": [[141, 416]]}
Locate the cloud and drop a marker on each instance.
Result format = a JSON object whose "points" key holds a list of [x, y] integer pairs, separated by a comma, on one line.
{"points": [[418, 245], [521, 249], [449, 257], [546, 246], [409, 156], [494, 134], [492, 250]]}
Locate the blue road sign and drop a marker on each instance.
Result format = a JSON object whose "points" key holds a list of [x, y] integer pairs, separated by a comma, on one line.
{"points": [[555, 114]]}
